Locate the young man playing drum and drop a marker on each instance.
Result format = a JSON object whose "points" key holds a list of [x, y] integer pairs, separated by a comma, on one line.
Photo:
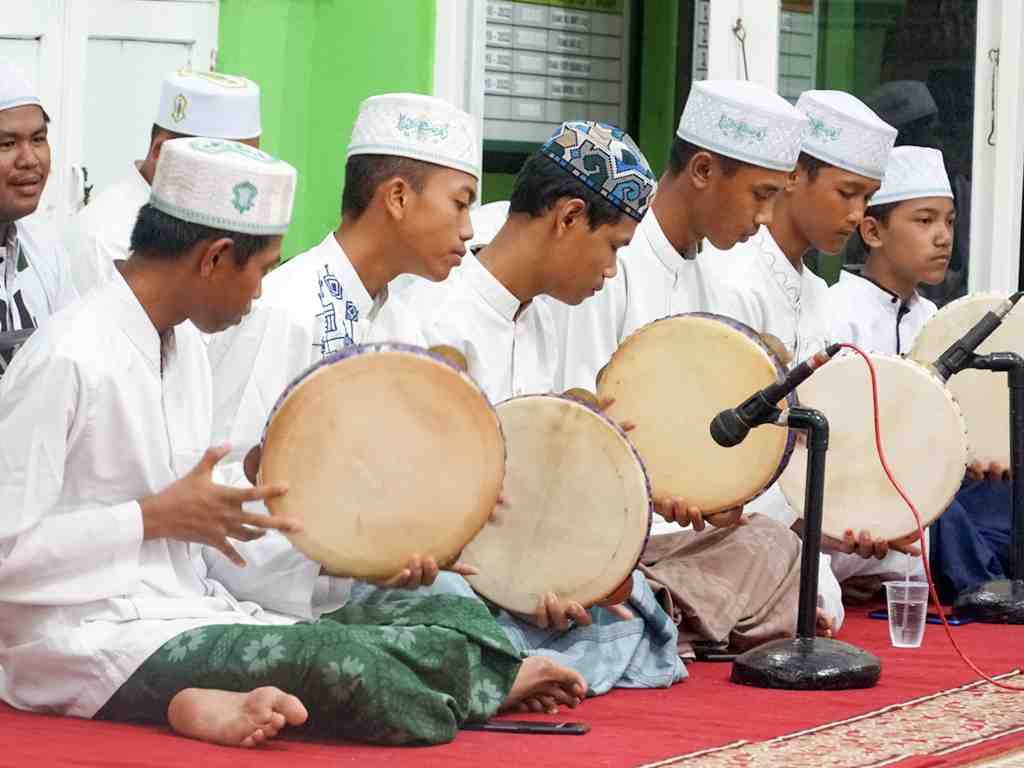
{"points": [[906, 237], [764, 283], [734, 148], [110, 521], [574, 204], [411, 176]]}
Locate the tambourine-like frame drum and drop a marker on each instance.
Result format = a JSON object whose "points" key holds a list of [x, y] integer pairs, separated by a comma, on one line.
{"points": [[670, 378], [923, 437], [387, 451], [982, 395], [576, 511]]}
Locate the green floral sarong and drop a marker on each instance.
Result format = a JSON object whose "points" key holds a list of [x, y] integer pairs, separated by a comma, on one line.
{"points": [[409, 672]]}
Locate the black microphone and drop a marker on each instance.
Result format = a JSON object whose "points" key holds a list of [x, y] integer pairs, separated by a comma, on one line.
{"points": [[958, 356], [731, 426]]}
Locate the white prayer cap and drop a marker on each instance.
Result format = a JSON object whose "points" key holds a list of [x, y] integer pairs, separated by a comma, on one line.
{"points": [[418, 127], [744, 121], [913, 172], [15, 88], [225, 185], [846, 133], [209, 104]]}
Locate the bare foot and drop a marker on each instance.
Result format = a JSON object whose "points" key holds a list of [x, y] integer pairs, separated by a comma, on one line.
{"points": [[541, 680], [234, 719], [823, 624]]}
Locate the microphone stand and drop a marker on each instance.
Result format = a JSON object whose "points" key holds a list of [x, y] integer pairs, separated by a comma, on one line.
{"points": [[1002, 601], [808, 662]]}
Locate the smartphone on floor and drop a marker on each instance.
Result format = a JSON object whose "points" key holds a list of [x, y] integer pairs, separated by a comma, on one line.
{"points": [[529, 726], [931, 618]]}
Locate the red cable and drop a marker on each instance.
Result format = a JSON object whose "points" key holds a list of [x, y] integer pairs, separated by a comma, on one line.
{"points": [[920, 528]]}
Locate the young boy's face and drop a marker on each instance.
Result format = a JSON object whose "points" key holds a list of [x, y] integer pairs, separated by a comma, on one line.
{"points": [[916, 238], [582, 260], [437, 226], [829, 207], [738, 205]]}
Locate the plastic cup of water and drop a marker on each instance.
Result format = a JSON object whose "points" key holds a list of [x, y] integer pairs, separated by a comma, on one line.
{"points": [[908, 606]]}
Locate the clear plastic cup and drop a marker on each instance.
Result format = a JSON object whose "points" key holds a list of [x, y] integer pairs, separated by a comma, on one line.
{"points": [[908, 608]]}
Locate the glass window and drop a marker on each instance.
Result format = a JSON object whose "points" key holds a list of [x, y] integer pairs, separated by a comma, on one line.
{"points": [[912, 61]]}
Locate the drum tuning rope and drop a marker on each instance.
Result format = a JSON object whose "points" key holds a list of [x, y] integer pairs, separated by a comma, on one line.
{"points": [[920, 527]]}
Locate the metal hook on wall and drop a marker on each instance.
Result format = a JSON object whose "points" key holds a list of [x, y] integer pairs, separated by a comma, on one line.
{"points": [[993, 56], [741, 35]]}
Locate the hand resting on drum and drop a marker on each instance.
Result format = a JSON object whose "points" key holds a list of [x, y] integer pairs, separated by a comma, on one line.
{"points": [[865, 546], [422, 572], [993, 472], [196, 509], [554, 613], [675, 510]]}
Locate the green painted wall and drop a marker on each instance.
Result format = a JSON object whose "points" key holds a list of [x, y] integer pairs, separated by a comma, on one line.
{"points": [[315, 61]]}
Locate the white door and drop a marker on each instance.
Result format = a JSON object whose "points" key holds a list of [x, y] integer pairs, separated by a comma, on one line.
{"points": [[99, 64]]}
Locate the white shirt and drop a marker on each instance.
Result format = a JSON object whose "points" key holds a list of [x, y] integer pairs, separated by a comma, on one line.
{"points": [[653, 281], [311, 306], [101, 232], [109, 415], [874, 318], [34, 277], [510, 349], [759, 286]]}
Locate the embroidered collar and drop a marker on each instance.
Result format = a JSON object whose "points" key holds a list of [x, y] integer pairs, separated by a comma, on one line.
{"points": [[351, 287], [673, 260], [782, 271], [489, 288]]}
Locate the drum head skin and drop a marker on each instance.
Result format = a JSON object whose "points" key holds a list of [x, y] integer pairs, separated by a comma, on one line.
{"points": [[387, 452], [576, 510], [983, 396], [922, 435], [671, 378]]}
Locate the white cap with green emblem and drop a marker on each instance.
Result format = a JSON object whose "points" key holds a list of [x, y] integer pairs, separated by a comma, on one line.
{"points": [[225, 185], [846, 133], [209, 104], [418, 127]]}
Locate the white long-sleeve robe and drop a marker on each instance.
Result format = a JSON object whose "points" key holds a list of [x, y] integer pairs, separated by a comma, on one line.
{"points": [[93, 420]]}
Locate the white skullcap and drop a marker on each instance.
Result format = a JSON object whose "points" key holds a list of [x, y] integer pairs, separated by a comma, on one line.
{"points": [[913, 172], [846, 133], [209, 104], [418, 127], [743, 121], [15, 89], [225, 185]]}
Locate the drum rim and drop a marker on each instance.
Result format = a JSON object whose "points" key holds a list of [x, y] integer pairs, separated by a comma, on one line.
{"points": [[754, 336], [928, 372], [354, 350], [623, 437]]}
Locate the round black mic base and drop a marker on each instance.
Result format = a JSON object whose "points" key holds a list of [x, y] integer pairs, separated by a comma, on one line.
{"points": [[994, 602], [807, 664]]}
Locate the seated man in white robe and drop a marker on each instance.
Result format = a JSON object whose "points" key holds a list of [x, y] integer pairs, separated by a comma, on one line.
{"points": [[734, 148], [575, 203], [112, 529], [764, 282], [906, 239], [208, 104], [34, 277]]}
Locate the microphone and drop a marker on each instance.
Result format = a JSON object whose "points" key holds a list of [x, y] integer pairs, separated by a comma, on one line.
{"points": [[731, 426], [958, 356]]}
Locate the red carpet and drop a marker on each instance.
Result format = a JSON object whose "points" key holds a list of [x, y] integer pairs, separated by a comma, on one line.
{"points": [[629, 728]]}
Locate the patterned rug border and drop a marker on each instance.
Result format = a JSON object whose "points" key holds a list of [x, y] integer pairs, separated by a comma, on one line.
{"points": [[891, 760]]}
